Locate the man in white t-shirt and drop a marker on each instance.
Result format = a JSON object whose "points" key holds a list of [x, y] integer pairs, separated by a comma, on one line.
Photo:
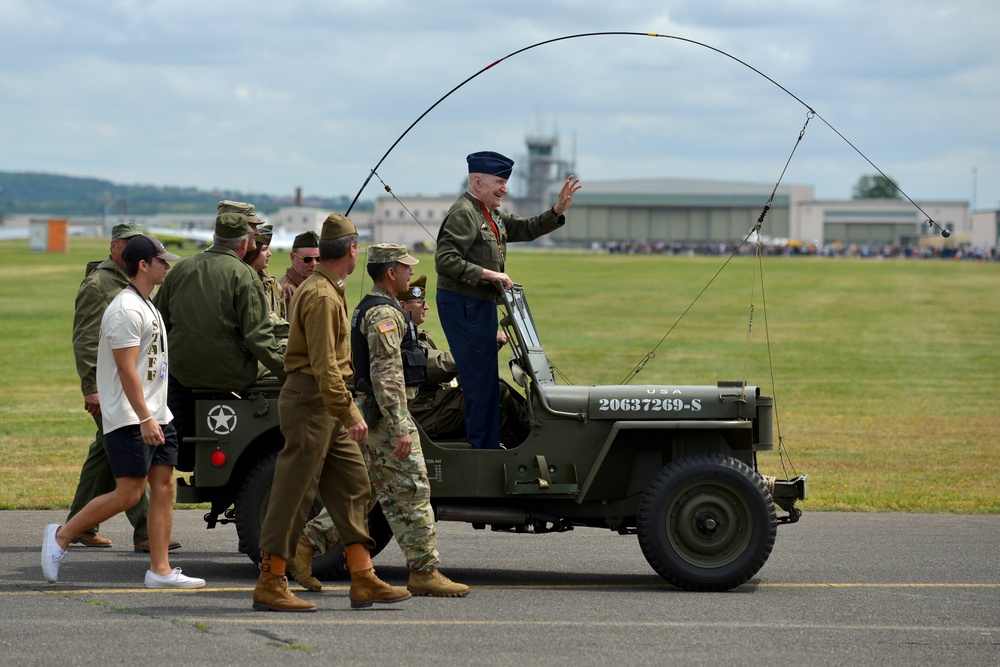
{"points": [[140, 440]]}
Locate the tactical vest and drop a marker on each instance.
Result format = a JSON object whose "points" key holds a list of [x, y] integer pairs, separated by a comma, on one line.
{"points": [[414, 356]]}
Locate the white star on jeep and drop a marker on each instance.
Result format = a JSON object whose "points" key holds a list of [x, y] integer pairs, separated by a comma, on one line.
{"points": [[222, 419]]}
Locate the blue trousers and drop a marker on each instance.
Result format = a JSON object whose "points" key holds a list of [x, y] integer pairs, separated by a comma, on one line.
{"points": [[471, 327]]}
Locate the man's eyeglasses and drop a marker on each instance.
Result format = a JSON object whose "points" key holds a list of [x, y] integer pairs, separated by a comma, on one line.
{"points": [[307, 260]]}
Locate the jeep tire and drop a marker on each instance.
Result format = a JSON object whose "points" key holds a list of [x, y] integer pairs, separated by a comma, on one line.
{"points": [[251, 506], [706, 523]]}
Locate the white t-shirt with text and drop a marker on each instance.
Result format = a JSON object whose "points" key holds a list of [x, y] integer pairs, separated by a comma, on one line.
{"points": [[132, 321]]}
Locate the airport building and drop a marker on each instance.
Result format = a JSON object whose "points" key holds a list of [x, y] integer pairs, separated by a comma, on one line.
{"points": [[677, 211], [693, 212]]}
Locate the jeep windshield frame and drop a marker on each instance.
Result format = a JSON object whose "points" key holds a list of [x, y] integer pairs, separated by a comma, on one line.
{"points": [[525, 342]]}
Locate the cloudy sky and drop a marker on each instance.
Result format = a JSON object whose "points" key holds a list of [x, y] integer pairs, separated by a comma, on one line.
{"points": [[267, 96]]}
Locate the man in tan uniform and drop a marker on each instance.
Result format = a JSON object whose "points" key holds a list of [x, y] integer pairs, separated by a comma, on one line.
{"points": [[322, 429], [304, 256]]}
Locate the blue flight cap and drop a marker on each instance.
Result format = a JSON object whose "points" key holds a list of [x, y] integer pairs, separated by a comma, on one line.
{"points": [[488, 162]]}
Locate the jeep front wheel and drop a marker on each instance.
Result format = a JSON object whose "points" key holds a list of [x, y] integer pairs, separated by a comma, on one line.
{"points": [[706, 523]]}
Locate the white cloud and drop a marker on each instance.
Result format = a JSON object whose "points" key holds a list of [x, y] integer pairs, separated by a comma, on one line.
{"points": [[270, 96]]}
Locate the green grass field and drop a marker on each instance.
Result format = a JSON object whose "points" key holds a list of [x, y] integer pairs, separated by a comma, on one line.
{"points": [[886, 373]]}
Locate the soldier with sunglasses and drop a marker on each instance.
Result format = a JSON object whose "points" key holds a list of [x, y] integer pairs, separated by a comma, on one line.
{"points": [[304, 256]]}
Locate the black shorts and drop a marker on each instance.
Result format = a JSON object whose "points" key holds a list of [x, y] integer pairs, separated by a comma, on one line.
{"points": [[131, 457]]}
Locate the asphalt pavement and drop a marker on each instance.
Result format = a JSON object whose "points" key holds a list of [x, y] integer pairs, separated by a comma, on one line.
{"points": [[838, 589]]}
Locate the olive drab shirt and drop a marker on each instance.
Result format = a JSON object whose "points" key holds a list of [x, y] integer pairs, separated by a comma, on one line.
{"points": [[275, 295], [319, 341], [216, 316], [441, 368], [384, 328], [466, 245], [276, 306], [98, 289]]}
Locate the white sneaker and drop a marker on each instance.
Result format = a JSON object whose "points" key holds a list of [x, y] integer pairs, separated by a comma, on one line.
{"points": [[52, 555], [173, 580]]}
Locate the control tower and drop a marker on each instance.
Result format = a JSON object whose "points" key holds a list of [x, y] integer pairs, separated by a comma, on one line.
{"points": [[545, 169]]}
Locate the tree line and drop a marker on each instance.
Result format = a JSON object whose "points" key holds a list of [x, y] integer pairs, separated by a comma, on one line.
{"points": [[53, 194]]}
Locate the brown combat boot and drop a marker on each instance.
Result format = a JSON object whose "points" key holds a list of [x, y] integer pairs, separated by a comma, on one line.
{"points": [[271, 593], [366, 588], [301, 566], [435, 584]]}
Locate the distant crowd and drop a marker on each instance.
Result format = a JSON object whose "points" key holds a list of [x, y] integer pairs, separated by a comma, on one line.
{"points": [[642, 247]]}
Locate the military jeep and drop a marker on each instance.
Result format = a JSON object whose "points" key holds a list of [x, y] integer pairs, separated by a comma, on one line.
{"points": [[677, 465]]}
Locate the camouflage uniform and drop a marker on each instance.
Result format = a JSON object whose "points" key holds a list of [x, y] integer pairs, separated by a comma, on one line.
{"points": [[401, 487]]}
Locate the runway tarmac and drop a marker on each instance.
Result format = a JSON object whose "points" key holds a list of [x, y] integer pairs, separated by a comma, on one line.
{"points": [[838, 589]]}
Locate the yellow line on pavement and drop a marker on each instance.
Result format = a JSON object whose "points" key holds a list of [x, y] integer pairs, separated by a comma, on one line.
{"points": [[584, 587], [321, 619]]}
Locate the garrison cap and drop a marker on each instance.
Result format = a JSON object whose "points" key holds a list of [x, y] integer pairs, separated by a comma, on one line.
{"points": [[488, 162], [232, 225], [265, 234], [337, 226], [142, 247], [387, 253], [229, 206], [418, 290], [308, 239], [126, 230]]}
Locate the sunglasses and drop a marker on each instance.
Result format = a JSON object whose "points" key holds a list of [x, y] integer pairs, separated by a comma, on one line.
{"points": [[307, 260]]}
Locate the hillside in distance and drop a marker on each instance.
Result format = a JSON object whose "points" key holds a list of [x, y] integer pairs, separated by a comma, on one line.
{"points": [[64, 196]]}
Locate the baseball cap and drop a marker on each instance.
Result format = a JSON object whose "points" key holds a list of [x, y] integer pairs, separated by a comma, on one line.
{"points": [[145, 247]]}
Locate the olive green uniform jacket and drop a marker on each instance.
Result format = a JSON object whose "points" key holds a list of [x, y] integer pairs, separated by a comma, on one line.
{"points": [[276, 305], [275, 295], [96, 291], [217, 321], [466, 245]]}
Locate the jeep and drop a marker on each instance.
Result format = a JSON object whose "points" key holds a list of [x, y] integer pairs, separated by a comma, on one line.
{"points": [[674, 464]]}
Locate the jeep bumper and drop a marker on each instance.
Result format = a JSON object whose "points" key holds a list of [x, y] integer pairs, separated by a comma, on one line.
{"points": [[786, 492]]}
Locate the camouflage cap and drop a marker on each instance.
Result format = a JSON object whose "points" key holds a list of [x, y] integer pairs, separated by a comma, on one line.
{"points": [[126, 230], [232, 226], [229, 206], [265, 234], [308, 239], [418, 290], [386, 253], [337, 226]]}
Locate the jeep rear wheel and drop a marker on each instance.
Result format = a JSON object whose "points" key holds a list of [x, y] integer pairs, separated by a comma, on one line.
{"points": [[706, 523], [333, 563], [251, 506]]}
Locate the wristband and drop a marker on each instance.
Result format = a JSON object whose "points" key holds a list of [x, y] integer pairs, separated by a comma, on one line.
{"points": [[143, 421]]}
